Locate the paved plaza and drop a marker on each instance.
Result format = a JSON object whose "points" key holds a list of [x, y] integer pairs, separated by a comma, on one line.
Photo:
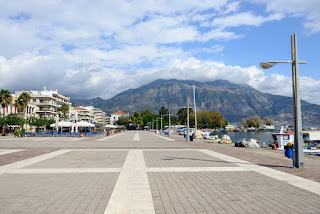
{"points": [[141, 172]]}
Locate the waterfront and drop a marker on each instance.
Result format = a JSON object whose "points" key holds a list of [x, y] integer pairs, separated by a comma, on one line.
{"points": [[262, 137]]}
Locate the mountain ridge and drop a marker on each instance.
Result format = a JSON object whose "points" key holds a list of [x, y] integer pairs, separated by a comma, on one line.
{"points": [[234, 101]]}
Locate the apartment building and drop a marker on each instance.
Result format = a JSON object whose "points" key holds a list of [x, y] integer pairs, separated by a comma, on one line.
{"points": [[81, 114], [46, 102], [89, 114], [108, 120], [99, 116], [30, 110]]}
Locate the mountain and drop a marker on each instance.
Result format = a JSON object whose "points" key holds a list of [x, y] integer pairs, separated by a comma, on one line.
{"points": [[234, 101]]}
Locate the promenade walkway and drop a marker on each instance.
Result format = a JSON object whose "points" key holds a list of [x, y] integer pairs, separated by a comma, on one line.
{"points": [[141, 172]]}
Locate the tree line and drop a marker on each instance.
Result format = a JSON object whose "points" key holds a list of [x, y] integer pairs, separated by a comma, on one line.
{"points": [[205, 119], [255, 121]]}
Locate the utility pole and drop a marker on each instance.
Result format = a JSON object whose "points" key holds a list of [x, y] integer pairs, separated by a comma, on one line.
{"points": [[188, 121], [161, 123], [157, 124], [195, 109], [169, 123], [298, 147]]}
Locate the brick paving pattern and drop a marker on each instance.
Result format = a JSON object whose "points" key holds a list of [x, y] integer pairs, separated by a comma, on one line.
{"points": [[264, 157], [182, 158], [227, 192], [25, 154], [85, 159], [61, 182], [58, 193]]}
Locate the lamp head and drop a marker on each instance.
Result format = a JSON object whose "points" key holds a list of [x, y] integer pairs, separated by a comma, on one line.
{"points": [[266, 65]]}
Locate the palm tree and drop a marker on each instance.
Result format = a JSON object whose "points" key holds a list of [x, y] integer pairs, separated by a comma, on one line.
{"points": [[5, 99], [22, 102], [64, 108]]}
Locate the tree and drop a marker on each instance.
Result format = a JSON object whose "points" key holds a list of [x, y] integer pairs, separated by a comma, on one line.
{"points": [[146, 112], [22, 102], [254, 121], [217, 120], [268, 121], [136, 119], [14, 119], [163, 110], [5, 99], [64, 109], [182, 115], [40, 122], [123, 121]]}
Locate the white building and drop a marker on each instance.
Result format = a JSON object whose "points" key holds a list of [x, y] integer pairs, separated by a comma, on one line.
{"points": [[47, 102], [99, 116], [81, 114], [115, 116], [89, 114]]}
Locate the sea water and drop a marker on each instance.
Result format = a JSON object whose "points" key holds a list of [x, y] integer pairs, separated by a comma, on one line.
{"points": [[262, 137]]}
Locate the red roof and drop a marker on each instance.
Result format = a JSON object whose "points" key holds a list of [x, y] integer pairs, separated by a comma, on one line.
{"points": [[119, 112]]}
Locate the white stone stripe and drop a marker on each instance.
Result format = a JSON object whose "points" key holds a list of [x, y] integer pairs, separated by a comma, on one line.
{"points": [[166, 138], [197, 169], [8, 151], [139, 140], [98, 150], [136, 137], [80, 138], [303, 183], [27, 162], [112, 136], [132, 193], [65, 170]]}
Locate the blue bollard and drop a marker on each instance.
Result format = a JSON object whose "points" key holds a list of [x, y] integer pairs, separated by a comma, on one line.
{"points": [[288, 153]]}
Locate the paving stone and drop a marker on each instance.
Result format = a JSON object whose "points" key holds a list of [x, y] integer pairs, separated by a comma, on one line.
{"points": [[84, 159], [58, 193], [261, 195], [183, 158]]}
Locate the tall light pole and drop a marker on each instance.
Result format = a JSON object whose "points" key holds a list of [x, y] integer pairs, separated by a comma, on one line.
{"points": [[157, 124], [169, 121], [161, 123], [298, 147], [188, 121], [195, 110]]}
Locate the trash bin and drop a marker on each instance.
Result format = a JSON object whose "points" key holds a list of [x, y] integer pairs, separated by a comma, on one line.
{"points": [[288, 150]]}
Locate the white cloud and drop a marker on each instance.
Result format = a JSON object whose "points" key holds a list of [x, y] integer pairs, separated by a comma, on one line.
{"points": [[100, 48], [219, 34], [244, 18], [309, 10]]}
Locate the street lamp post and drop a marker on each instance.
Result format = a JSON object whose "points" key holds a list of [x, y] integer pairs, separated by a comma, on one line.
{"points": [[157, 124], [188, 121], [298, 147], [169, 121], [161, 123], [195, 110]]}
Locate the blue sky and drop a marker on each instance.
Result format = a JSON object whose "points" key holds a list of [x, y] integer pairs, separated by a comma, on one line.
{"points": [[100, 48]]}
